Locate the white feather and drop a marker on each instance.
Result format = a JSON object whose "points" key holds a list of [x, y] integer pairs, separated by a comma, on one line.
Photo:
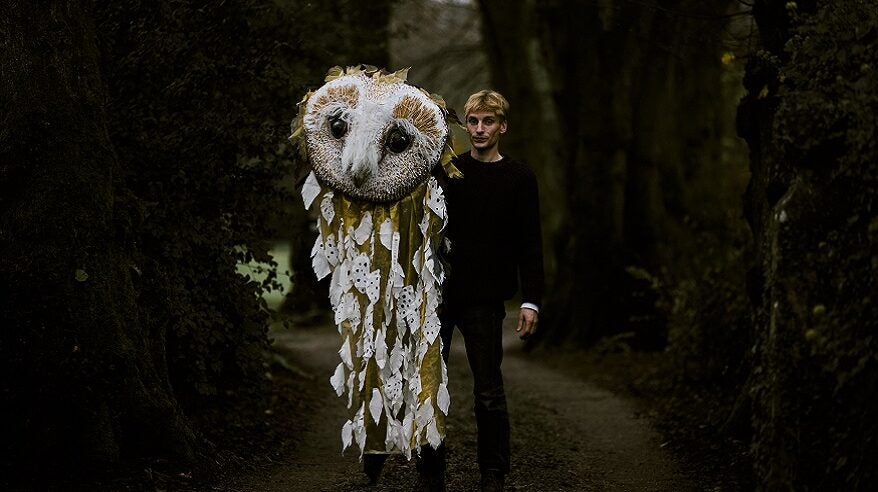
{"points": [[310, 190], [345, 353], [386, 233], [364, 230], [337, 379], [433, 436], [376, 405], [443, 399], [346, 435], [327, 209]]}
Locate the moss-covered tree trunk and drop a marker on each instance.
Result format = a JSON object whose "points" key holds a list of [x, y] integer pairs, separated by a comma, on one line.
{"points": [[615, 104], [82, 383], [809, 118]]}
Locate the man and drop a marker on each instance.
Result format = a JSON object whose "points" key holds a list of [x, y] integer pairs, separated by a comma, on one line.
{"points": [[494, 229]]}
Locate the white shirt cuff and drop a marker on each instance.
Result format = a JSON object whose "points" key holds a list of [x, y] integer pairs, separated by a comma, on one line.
{"points": [[530, 305]]}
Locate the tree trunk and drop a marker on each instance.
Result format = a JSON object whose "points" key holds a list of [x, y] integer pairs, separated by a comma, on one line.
{"points": [[617, 103], [80, 383]]}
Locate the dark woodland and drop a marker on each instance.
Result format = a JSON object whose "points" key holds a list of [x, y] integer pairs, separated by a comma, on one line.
{"points": [[708, 176]]}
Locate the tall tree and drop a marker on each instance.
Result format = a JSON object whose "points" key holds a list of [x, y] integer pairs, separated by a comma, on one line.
{"points": [[809, 119], [83, 381], [616, 105], [142, 151]]}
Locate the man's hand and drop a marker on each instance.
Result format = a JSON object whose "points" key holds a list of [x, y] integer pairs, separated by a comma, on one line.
{"points": [[527, 322]]}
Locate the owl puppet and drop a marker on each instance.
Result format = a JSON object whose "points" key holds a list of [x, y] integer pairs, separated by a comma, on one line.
{"points": [[372, 142]]}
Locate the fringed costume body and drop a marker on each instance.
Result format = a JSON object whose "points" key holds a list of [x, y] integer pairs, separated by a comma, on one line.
{"points": [[372, 141]]}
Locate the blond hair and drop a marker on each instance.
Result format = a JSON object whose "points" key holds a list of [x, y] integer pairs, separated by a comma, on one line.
{"points": [[488, 101]]}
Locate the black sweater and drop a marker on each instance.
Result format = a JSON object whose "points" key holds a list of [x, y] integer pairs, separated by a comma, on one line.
{"points": [[495, 234]]}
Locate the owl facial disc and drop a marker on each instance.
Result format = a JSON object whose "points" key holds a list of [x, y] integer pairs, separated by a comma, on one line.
{"points": [[372, 136]]}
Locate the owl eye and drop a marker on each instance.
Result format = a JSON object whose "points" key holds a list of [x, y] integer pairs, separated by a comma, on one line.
{"points": [[337, 126], [398, 140]]}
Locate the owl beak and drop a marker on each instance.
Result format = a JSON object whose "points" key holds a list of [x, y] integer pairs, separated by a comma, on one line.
{"points": [[360, 176], [361, 166], [360, 156]]}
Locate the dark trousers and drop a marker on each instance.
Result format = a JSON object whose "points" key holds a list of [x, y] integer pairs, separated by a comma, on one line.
{"points": [[482, 328]]}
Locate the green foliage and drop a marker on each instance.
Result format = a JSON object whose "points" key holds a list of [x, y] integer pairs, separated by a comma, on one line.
{"points": [[145, 158], [817, 356], [201, 95], [827, 116], [710, 317]]}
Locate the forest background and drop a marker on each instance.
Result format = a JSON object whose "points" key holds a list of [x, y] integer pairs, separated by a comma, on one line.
{"points": [[707, 172]]}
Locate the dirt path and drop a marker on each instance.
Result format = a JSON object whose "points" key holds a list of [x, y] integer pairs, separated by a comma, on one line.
{"points": [[566, 433]]}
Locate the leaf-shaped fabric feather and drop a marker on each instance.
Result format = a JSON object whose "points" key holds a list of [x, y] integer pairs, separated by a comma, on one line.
{"points": [[369, 320], [414, 386], [310, 190], [433, 436], [433, 297], [380, 349], [427, 274], [417, 259], [352, 380], [424, 414], [402, 74], [373, 286], [413, 319], [339, 285], [407, 424], [423, 347], [368, 344], [359, 271], [333, 73], [431, 329], [330, 249], [347, 432], [376, 405], [443, 399], [348, 247], [337, 379], [424, 225], [386, 233], [341, 309], [327, 209], [397, 276], [435, 198], [348, 310], [393, 391], [364, 230], [362, 379], [319, 263], [360, 429], [392, 437], [396, 356], [345, 353], [394, 248]]}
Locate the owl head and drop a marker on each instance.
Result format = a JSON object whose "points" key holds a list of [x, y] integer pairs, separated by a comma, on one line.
{"points": [[371, 135]]}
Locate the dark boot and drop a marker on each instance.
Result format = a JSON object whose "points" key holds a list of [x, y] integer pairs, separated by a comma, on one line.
{"points": [[492, 481], [372, 466], [431, 469]]}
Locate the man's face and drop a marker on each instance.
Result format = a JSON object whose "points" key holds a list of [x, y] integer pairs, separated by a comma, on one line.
{"points": [[484, 129]]}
